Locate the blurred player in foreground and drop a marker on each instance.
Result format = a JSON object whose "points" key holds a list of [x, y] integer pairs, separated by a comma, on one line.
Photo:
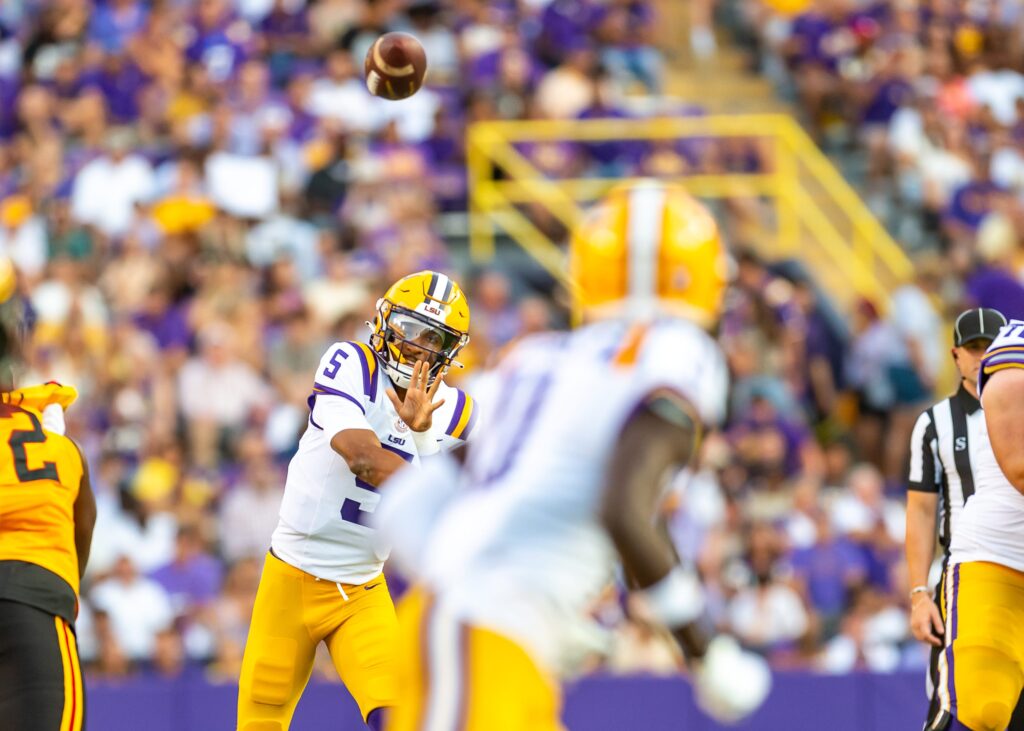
{"points": [[47, 514], [982, 668], [524, 536], [372, 410]]}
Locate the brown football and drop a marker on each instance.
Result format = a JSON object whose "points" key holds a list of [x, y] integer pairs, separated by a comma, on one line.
{"points": [[395, 66]]}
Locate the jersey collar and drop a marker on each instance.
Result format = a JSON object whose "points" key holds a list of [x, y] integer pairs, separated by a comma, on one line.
{"points": [[967, 401]]}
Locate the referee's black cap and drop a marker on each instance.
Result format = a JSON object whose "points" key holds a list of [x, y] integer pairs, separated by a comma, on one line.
{"points": [[980, 323]]}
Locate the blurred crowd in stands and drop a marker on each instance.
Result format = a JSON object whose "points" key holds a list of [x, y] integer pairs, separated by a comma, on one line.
{"points": [[929, 95], [201, 195]]}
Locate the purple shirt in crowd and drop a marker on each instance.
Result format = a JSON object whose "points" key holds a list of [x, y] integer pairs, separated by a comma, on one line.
{"points": [[192, 583], [827, 568], [998, 289], [169, 328]]}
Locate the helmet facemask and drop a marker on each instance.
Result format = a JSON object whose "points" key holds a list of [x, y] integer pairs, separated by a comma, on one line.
{"points": [[403, 337]]}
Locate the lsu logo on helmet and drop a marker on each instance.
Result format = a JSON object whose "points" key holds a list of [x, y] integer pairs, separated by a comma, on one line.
{"points": [[424, 316], [646, 245]]}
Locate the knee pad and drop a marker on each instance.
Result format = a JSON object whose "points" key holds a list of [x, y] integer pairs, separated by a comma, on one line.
{"points": [[272, 681], [985, 715], [988, 698]]}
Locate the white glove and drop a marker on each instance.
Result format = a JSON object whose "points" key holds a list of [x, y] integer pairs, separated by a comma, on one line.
{"points": [[730, 683]]}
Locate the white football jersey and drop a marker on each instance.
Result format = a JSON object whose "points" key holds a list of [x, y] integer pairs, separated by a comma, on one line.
{"points": [[991, 525], [520, 549], [323, 526]]}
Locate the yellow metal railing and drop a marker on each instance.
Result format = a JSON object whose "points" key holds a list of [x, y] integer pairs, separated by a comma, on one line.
{"points": [[816, 214]]}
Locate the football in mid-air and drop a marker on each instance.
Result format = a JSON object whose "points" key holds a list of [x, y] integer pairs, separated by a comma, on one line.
{"points": [[395, 66]]}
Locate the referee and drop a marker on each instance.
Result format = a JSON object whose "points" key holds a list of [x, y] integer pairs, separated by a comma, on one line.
{"points": [[941, 480]]}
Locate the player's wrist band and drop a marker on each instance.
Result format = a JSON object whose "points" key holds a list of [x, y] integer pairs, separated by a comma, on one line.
{"points": [[426, 443], [920, 590], [676, 600]]}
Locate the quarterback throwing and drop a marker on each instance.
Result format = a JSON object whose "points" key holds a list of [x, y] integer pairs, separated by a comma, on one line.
{"points": [[374, 407]]}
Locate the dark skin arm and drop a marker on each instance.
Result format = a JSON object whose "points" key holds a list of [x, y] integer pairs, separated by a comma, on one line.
{"points": [[85, 517], [361, 450], [647, 449], [1003, 399]]}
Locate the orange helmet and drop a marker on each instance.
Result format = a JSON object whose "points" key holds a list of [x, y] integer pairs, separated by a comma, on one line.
{"points": [[649, 245]]}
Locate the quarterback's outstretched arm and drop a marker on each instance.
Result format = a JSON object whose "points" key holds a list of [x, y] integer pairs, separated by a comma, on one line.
{"points": [[1003, 399], [361, 448], [368, 460]]}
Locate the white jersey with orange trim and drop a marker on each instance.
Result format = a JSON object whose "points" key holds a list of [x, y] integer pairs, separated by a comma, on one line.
{"points": [[991, 525], [519, 549], [323, 526]]}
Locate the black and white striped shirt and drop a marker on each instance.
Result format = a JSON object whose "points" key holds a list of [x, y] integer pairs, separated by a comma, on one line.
{"points": [[941, 448]]}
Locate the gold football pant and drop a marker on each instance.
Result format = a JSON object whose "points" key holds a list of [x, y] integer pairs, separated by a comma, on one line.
{"points": [[294, 612], [981, 670], [454, 676]]}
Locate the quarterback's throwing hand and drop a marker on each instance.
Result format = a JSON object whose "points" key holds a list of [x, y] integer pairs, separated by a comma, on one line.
{"points": [[417, 410]]}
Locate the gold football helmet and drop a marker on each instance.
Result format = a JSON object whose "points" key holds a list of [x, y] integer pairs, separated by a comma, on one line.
{"points": [[649, 245], [424, 316]]}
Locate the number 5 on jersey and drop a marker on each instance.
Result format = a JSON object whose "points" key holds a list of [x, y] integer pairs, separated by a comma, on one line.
{"points": [[351, 509]]}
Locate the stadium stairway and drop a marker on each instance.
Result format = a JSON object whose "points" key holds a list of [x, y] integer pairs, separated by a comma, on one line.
{"points": [[808, 209], [723, 82]]}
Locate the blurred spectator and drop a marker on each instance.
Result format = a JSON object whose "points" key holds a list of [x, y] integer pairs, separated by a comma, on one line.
{"points": [[228, 619], [767, 615], [23, 236], [817, 353], [827, 572], [875, 523], [917, 355], [283, 235], [624, 29], [326, 188], [218, 392], [67, 303], [138, 608], [248, 515], [770, 446], [995, 279], [193, 577], [108, 189], [342, 95], [869, 637], [568, 89], [495, 311], [439, 43], [873, 350], [135, 523], [168, 660]]}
